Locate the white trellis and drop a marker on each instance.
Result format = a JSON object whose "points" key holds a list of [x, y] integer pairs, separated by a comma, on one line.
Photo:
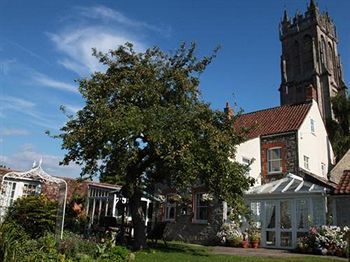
{"points": [[34, 175]]}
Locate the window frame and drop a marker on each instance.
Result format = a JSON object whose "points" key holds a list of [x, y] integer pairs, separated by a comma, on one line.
{"points": [[312, 126], [168, 207], [196, 208], [306, 162], [268, 160]]}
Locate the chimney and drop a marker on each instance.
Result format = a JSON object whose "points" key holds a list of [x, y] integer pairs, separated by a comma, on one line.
{"points": [[229, 111]]}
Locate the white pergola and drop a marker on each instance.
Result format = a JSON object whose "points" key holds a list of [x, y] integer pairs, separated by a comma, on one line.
{"points": [[285, 209], [38, 175]]}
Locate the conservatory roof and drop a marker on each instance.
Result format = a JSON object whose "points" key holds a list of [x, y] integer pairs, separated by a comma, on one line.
{"points": [[290, 184]]}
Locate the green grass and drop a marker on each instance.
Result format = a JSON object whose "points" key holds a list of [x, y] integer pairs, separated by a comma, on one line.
{"points": [[180, 252]]}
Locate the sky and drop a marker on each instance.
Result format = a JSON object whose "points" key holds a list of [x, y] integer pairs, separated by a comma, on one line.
{"points": [[46, 45]]}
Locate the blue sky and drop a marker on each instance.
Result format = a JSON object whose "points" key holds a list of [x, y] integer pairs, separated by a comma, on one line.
{"points": [[46, 45]]}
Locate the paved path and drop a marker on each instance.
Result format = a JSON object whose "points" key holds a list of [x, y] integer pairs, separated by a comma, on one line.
{"points": [[262, 252]]}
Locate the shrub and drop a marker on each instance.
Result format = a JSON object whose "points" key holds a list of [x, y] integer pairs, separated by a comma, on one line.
{"points": [[230, 232], [325, 240], [12, 237], [35, 214]]}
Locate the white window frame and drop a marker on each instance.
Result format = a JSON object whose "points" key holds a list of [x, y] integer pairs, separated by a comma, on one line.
{"points": [[307, 162], [268, 160], [168, 207], [323, 169], [246, 161], [197, 207], [312, 126]]}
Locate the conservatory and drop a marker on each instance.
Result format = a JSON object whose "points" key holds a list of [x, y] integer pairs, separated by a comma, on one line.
{"points": [[285, 209]]}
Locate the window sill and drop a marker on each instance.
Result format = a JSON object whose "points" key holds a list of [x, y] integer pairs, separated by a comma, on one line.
{"points": [[200, 222]]}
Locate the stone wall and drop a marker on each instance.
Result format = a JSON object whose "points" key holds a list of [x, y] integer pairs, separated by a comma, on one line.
{"points": [[184, 229], [289, 145]]}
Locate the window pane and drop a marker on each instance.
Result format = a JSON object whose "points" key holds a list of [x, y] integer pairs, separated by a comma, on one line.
{"points": [[286, 239], [270, 238], [302, 214], [270, 215], [286, 214]]}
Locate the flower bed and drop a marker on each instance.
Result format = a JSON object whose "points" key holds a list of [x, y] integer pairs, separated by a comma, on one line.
{"points": [[326, 240]]}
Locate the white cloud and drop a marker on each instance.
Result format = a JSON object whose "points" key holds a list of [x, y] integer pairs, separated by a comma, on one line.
{"points": [[98, 27], [76, 46], [26, 155], [111, 15], [13, 132], [11, 102], [6, 65], [49, 82]]}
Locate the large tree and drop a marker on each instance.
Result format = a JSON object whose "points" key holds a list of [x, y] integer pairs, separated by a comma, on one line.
{"points": [[144, 122], [339, 130]]}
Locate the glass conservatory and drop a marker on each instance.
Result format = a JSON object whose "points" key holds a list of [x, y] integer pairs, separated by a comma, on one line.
{"points": [[285, 209]]}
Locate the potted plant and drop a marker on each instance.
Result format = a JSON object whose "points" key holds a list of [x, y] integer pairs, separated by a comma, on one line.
{"points": [[245, 242], [254, 237], [234, 240]]}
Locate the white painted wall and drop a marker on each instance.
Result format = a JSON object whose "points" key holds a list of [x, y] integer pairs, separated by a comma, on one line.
{"points": [[251, 150], [315, 145]]}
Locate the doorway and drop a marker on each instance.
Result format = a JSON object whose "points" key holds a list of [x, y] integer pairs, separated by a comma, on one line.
{"points": [[277, 226]]}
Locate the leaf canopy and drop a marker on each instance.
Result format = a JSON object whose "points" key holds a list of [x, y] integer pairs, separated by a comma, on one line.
{"points": [[144, 122]]}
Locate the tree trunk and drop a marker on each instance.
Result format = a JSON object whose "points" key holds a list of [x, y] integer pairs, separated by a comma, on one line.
{"points": [[138, 221]]}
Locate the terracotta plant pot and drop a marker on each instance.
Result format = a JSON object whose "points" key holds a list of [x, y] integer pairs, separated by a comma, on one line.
{"points": [[245, 244], [255, 244]]}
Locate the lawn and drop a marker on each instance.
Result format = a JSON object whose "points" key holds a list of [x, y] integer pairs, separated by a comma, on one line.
{"points": [[179, 252]]}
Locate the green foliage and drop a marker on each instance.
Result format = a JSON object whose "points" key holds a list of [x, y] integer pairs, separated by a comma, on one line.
{"points": [[74, 245], [35, 214], [75, 218], [144, 122], [12, 237], [339, 131]]}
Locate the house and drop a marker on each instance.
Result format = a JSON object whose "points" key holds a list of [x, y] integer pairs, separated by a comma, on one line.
{"points": [[341, 198], [100, 199], [285, 139], [290, 155]]}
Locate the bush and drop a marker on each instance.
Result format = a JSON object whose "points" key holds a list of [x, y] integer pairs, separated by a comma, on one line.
{"points": [[35, 214], [325, 240], [230, 233], [12, 237]]}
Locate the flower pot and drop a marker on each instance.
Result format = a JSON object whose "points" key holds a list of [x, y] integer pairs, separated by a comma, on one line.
{"points": [[245, 244], [255, 243]]}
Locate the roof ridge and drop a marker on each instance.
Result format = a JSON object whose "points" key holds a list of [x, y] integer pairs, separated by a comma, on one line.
{"points": [[272, 108]]}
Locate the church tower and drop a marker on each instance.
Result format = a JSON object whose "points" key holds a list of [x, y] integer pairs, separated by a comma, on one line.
{"points": [[310, 64]]}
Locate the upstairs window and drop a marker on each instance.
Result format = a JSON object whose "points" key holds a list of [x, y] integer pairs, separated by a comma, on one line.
{"points": [[200, 208], [306, 162], [312, 126], [274, 160], [246, 161], [323, 169]]}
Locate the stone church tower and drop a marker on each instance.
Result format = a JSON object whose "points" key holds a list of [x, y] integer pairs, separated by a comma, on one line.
{"points": [[310, 64]]}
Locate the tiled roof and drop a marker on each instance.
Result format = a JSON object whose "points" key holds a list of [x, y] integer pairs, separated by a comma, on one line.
{"points": [[344, 184], [273, 120]]}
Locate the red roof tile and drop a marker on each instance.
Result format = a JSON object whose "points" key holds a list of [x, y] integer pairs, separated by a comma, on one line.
{"points": [[274, 120], [344, 184]]}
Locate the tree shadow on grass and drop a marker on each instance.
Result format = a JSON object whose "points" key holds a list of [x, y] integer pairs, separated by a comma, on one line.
{"points": [[178, 247]]}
